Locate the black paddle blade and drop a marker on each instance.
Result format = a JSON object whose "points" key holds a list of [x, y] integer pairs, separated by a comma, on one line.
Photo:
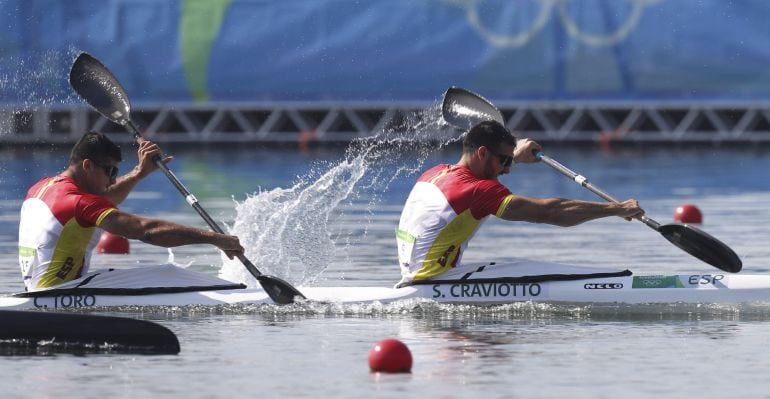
{"points": [[703, 246], [464, 109], [99, 87], [281, 292]]}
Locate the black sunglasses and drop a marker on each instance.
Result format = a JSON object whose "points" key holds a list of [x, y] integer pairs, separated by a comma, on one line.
{"points": [[111, 171], [505, 160]]}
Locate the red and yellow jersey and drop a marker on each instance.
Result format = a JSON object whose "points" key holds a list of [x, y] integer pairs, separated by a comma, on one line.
{"points": [[445, 208], [56, 231]]}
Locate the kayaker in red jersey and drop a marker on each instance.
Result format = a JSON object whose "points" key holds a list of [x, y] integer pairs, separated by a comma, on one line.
{"points": [[61, 214], [449, 202]]}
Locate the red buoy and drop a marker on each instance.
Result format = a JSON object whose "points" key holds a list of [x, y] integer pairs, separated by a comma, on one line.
{"points": [[390, 356], [112, 244], [688, 213]]}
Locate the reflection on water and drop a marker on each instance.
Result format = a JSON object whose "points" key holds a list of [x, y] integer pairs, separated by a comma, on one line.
{"points": [[52, 348]]}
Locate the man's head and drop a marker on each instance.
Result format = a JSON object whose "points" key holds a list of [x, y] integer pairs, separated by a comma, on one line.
{"points": [[97, 147], [491, 146], [95, 157], [489, 134]]}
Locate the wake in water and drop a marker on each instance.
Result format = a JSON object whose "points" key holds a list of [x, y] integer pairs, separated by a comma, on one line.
{"points": [[430, 310], [287, 231]]}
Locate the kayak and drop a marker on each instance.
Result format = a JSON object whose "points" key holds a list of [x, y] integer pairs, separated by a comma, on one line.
{"points": [[517, 281], [26, 332]]}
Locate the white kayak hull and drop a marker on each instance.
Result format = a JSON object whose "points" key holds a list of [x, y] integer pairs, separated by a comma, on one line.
{"points": [[684, 288]]}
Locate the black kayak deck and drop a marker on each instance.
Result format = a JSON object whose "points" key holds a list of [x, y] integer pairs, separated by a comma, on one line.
{"points": [[30, 329]]}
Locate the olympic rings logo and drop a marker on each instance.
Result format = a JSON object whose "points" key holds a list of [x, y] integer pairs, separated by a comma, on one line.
{"points": [[544, 15], [652, 283]]}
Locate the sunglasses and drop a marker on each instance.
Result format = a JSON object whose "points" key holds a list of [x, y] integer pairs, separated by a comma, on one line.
{"points": [[111, 171], [505, 160]]}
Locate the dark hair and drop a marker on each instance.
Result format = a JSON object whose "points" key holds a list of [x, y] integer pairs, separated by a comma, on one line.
{"points": [[97, 147], [488, 134]]}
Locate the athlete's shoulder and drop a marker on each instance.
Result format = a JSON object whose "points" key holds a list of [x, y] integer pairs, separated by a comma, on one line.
{"points": [[52, 186], [467, 178], [488, 184], [96, 200], [35, 188], [434, 172], [90, 209]]}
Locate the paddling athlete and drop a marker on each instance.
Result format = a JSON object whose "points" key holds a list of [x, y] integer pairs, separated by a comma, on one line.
{"points": [[61, 214], [449, 202]]}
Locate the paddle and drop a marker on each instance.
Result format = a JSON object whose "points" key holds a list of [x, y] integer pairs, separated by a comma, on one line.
{"points": [[463, 109], [99, 87]]}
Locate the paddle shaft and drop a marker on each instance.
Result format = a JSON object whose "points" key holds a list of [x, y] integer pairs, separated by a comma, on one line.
{"points": [[583, 181], [190, 198]]}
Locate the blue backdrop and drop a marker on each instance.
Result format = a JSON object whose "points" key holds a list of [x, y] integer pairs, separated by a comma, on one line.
{"points": [[391, 50]]}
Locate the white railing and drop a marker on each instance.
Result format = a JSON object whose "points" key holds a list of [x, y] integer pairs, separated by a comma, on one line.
{"points": [[294, 122]]}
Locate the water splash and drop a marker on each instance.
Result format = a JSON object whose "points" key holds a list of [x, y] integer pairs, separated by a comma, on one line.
{"points": [[172, 260], [287, 232], [35, 81]]}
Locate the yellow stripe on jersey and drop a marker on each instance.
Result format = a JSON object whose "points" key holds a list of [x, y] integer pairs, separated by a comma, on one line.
{"points": [[440, 175], [504, 205], [45, 188], [104, 215]]}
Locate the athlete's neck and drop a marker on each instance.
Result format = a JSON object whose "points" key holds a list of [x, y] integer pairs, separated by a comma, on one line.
{"points": [[472, 163], [77, 174]]}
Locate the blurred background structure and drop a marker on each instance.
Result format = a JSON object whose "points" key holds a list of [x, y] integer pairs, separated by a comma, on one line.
{"points": [[332, 70]]}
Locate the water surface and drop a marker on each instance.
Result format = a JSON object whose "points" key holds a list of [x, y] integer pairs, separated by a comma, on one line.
{"points": [[520, 350]]}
